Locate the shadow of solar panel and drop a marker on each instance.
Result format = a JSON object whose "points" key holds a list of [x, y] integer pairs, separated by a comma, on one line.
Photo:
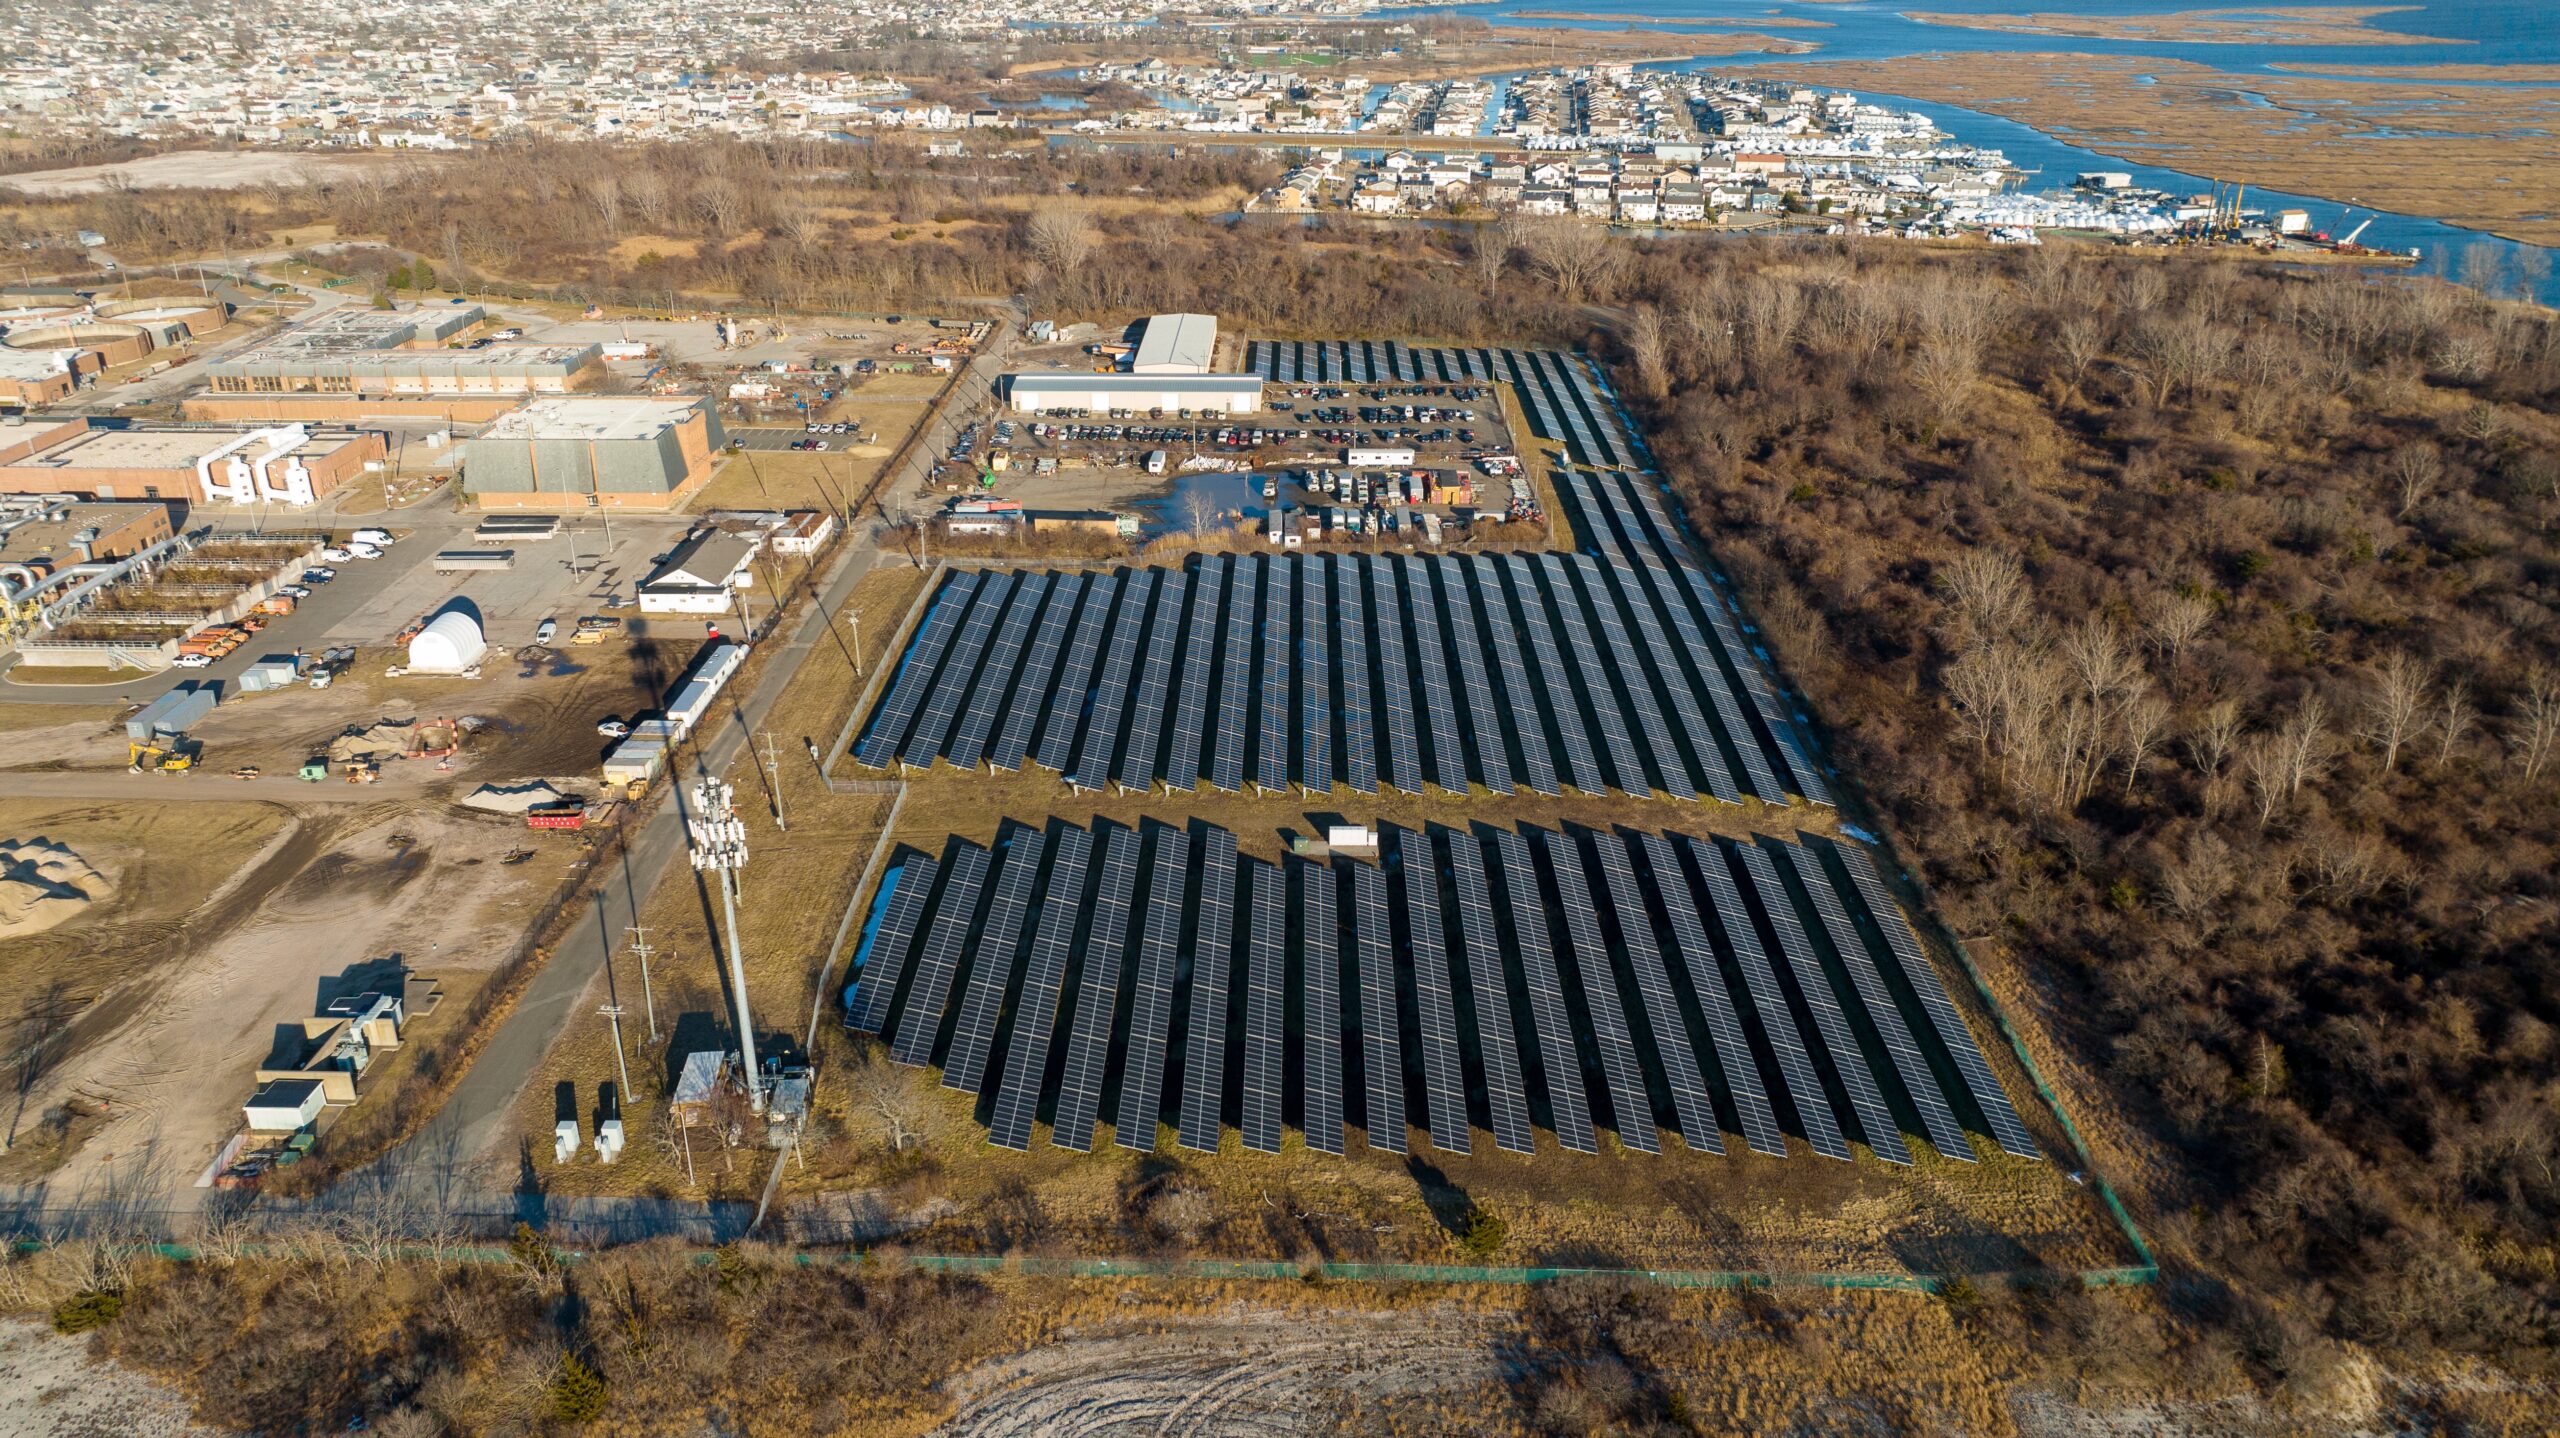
{"points": [[1036, 1017], [1583, 651], [883, 959], [1519, 692], [1097, 992], [1618, 651], [1768, 1000]]}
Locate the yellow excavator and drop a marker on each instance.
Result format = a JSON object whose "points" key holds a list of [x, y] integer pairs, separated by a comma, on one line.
{"points": [[170, 756]]}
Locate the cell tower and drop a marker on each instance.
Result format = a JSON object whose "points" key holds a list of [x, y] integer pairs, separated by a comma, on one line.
{"points": [[718, 840]]}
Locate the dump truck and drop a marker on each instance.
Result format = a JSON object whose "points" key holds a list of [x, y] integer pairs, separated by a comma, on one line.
{"points": [[570, 814]]}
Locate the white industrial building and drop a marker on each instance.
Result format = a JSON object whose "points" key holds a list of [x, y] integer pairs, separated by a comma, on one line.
{"points": [[1135, 393], [1177, 344], [451, 643], [701, 575]]}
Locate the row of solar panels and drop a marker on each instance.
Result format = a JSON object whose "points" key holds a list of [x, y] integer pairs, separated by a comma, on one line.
{"points": [[1568, 979], [1536, 672]]}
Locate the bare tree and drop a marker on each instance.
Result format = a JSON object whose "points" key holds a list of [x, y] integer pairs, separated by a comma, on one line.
{"points": [[1988, 589], [721, 203], [1578, 257], [2145, 720], [1489, 252], [1645, 346], [2395, 704], [2083, 341], [1062, 240], [2175, 620], [2216, 732], [2454, 718], [2534, 731], [2414, 471], [1946, 371], [2303, 745]]}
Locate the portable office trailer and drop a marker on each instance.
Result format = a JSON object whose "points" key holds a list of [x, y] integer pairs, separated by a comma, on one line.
{"points": [[175, 712], [634, 761]]}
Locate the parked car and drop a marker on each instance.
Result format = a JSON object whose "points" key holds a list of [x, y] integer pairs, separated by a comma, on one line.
{"points": [[542, 632], [613, 729], [318, 576], [363, 551], [193, 661], [336, 555]]}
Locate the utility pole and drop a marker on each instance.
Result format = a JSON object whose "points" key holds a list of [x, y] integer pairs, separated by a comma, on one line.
{"points": [[649, 1000], [613, 1014], [854, 618], [773, 769], [719, 842]]}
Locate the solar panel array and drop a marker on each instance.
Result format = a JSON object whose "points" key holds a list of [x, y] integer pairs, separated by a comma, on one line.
{"points": [[1447, 671], [1614, 979]]}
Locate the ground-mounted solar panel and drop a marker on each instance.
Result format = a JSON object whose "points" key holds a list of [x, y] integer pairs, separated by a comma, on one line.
{"points": [[1533, 394], [1266, 1002], [1435, 678], [1748, 666], [1283, 362], [1847, 1060], [1111, 689], [1519, 691], [1320, 996], [1706, 982], [1401, 722], [1147, 708], [1151, 1003], [1097, 993], [1586, 413], [1686, 1076], [1558, 388], [917, 669], [1199, 669], [1030, 698], [1585, 649], [1359, 717], [1922, 976], [1691, 645], [1654, 646], [1581, 762], [1329, 363], [995, 678], [1315, 679], [1558, 1058], [921, 1020], [1355, 360], [1937, 1119], [1381, 1038], [942, 705], [882, 960], [1768, 1000], [1235, 687], [1619, 1062], [1400, 362], [1634, 684], [991, 959], [1279, 655], [1444, 1075], [1036, 1011], [1497, 1040], [1056, 749], [1481, 707], [1204, 1057]]}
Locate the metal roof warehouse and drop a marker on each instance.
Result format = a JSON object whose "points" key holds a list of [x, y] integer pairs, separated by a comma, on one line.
{"points": [[1100, 393]]}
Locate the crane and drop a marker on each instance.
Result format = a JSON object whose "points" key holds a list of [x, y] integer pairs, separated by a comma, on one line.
{"points": [[2347, 242]]}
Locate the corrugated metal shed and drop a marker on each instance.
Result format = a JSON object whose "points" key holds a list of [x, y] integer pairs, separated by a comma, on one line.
{"points": [[1176, 344]]}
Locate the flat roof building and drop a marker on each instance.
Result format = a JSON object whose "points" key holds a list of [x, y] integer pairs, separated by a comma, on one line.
{"points": [[29, 378], [1135, 393], [204, 464], [46, 538], [621, 452], [1177, 344], [355, 351]]}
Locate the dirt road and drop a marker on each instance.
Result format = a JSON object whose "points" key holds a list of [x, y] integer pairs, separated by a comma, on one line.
{"points": [[1253, 1376], [202, 788]]}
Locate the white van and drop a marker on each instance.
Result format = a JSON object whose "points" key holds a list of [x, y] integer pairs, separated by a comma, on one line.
{"points": [[378, 538]]}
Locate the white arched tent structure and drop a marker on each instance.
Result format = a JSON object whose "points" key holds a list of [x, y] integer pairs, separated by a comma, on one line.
{"points": [[450, 643]]}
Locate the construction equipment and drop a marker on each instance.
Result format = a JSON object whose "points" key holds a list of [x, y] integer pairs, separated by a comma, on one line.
{"points": [[363, 771], [314, 769], [2346, 244], [246, 771], [157, 756]]}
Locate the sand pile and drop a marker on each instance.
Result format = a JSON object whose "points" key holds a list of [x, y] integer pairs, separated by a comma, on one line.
{"points": [[381, 741], [44, 884]]}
